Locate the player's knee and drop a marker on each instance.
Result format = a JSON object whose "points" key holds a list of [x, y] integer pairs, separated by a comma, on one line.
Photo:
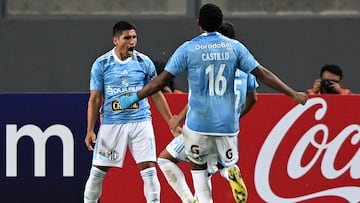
{"points": [[164, 154], [146, 164], [198, 166], [161, 161], [164, 162]]}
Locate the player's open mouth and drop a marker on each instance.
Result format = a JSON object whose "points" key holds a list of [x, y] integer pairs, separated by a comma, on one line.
{"points": [[131, 48]]}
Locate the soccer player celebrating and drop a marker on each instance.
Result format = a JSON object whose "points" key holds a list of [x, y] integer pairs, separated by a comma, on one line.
{"points": [[121, 71], [211, 61], [245, 87]]}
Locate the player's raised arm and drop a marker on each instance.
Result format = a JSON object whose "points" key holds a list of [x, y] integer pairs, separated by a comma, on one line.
{"points": [[268, 78], [151, 88]]}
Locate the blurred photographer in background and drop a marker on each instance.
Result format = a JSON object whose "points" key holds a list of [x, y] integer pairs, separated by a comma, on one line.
{"points": [[329, 82]]}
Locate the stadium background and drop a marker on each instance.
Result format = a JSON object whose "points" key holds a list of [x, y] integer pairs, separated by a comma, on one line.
{"points": [[49, 47]]}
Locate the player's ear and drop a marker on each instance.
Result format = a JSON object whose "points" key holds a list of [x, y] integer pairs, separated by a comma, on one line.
{"points": [[115, 40]]}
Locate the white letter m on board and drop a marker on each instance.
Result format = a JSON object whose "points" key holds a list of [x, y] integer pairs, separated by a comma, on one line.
{"points": [[39, 138]]}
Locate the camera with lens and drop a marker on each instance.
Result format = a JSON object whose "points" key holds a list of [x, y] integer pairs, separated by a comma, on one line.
{"points": [[326, 87]]}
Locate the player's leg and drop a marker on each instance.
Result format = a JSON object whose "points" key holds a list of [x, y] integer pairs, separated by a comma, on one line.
{"points": [[197, 148], [212, 165], [142, 147], [228, 157], [113, 156], [167, 161], [151, 182], [93, 186]]}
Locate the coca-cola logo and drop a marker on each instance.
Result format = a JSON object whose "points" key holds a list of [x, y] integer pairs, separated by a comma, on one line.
{"points": [[325, 154]]}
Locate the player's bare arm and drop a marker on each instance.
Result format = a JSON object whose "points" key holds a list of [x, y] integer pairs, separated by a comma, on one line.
{"points": [[155, 85], [94, 103], [268, 78], [177, 120], [164, 109], [251, 99], [161, 104], [151, 88]]}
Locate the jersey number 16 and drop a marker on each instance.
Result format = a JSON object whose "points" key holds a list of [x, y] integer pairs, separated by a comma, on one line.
{"points": [[216, 85]]}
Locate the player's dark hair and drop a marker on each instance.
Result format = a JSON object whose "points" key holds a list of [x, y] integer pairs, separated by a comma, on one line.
{"points": [[334, 69], [210, 17], [120, 26], [227, 29]]}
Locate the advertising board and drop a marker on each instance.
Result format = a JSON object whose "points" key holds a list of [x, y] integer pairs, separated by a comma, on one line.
{"points": [[288, 152]]}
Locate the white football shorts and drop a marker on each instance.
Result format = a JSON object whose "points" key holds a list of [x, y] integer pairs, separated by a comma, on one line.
{"points": [[201, 148], [176, 148], [113, 140]]}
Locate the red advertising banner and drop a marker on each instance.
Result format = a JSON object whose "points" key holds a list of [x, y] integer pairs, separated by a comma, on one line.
{"points": [[288, 153]]}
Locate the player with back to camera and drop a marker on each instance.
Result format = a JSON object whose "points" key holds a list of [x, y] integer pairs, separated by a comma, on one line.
{"points": [[245, 84], [211, 61], [121, 71]]}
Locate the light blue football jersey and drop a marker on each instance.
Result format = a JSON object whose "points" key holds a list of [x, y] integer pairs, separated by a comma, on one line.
{"points": [[210, 61], [115, 78], [244, 84]]}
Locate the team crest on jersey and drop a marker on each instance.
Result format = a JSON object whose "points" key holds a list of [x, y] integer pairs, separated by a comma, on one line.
{"points": [[112, 155], [124, 82]]}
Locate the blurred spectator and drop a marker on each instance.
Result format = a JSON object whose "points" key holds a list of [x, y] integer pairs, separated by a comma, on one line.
{"points": [[330, 81]]}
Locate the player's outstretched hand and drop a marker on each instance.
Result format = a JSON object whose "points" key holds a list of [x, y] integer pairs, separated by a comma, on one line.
{"points": [[90, 139], [301, 97], [127, 101]]}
